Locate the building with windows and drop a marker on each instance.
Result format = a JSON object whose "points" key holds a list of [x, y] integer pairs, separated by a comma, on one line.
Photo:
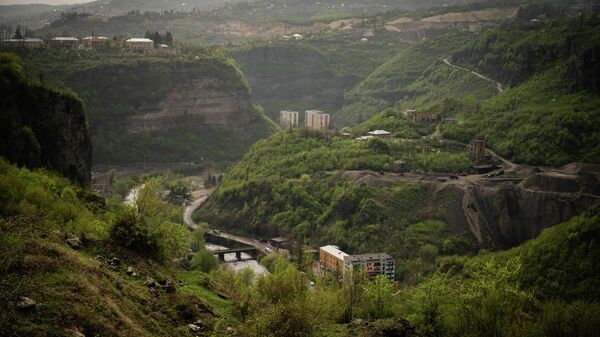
{"points": [[315, 119], [371, 265], [477, 150], [331, 258], [139, 43], [288, 119], [96, 42], [28, 42]]}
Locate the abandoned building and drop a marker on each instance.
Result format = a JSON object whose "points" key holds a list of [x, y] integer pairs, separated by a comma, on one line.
{"points": [[385, 135], [96, 42], [332, 259], [477, 150], [414, 116], [288, 119], [139, 43], [64, 42], [315, 119]]}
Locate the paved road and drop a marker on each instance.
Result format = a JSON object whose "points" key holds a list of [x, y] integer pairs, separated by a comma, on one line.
{"points": [[187, 213], [498, 84]]}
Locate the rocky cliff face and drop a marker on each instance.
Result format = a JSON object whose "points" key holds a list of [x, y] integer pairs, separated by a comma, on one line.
{"points": [[196, 103], [40, 127], [508, 214]]}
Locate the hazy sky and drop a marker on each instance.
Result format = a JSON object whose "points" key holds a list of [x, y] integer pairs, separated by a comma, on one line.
{"points": [[50, 2]]}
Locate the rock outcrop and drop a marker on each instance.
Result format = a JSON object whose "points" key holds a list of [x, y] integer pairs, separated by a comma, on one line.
{"points": [[41, 127], [196, 103]]}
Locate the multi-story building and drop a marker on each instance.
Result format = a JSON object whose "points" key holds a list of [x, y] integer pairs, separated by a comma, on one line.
{"points": [[331, 258], [371, 265], [477, 150], [315, 119], [288, 119], [139, 43]]}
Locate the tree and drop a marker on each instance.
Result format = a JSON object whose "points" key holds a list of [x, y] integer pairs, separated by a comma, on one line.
{"points": [[18, 35], [379, 297]]}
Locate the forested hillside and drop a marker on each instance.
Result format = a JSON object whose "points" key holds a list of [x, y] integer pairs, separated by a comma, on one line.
{"points": [[41, 127], [194, 107], [312, 74], [547, 110]]}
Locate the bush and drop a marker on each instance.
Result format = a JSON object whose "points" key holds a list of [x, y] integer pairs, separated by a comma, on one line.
{"points": [[204, 260], [131, 231]]}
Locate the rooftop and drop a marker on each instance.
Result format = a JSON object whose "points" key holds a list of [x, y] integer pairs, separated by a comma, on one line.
{"points": [[65, 38], [103, 38], [314, 112], [334, 250], [379, 133], [280, 239], [367, 257], [139, 39]]}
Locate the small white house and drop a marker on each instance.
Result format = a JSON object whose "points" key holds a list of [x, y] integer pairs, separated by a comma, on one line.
{"points": [[381, 134], [297, 37]]}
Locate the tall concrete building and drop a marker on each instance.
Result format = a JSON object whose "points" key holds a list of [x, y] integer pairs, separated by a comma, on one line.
{"points": [[315, 119], [288, 119], [371, 265], [477, 150], [331, 258]]}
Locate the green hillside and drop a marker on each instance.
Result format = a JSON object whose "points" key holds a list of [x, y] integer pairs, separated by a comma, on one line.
{"points": [[116, 86], [310, 74], [547, 114]]}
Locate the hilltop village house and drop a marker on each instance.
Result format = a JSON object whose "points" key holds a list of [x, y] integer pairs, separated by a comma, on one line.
{"points": [[288, 119], [385, 135], [414, 116], [139, 43], [64, 42], [96, 41], [28, 42], [332, 259]]}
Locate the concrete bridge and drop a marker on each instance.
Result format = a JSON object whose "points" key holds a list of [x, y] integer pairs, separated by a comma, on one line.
{"points": [[238, 252]]}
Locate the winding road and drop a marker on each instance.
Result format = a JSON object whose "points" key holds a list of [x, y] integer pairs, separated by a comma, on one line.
{"points": [[498, 84], [187, 213]]}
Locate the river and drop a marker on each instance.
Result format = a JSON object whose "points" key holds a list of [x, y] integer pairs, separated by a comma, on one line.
{"points": [[232, 263]]}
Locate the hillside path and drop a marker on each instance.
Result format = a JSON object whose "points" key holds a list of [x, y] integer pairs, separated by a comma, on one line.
{"points": [[498, 84]]}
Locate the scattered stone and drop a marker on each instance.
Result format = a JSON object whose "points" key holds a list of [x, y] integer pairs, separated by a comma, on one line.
{"points": [[170, 286], [358, 321], [26, 303], [115, 261], [100, 259], [75, 242], [75, 332], [153, 291], [118, 285], [150, 282], [194, 328], [130, 271]]}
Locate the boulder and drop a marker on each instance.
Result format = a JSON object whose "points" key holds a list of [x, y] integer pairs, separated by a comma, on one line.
{"points": [[169, 286], [194, 328], [26, 303], [74, 242], [150, 282], [130, 271]]}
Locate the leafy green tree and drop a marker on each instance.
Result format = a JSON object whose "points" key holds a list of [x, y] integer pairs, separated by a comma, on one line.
{"points": [[379, 297]]}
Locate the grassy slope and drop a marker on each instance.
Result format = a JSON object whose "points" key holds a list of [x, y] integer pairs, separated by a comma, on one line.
{"points": [[390, 82], [549, 115], [74, 288], [114, 86]]}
